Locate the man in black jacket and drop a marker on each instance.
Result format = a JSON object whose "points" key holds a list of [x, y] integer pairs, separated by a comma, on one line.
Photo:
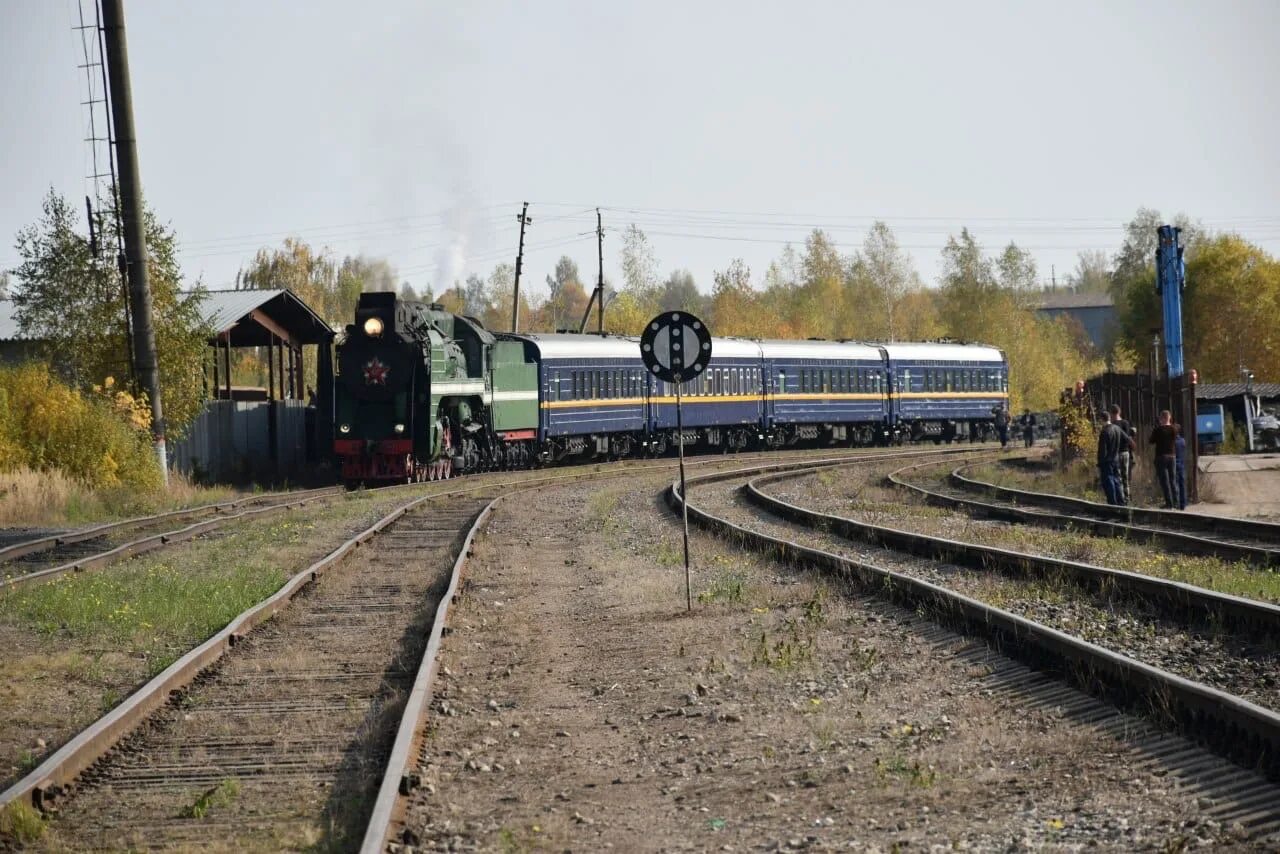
{"points": [[1164, 440], [1125, 470], [1110, 440]]}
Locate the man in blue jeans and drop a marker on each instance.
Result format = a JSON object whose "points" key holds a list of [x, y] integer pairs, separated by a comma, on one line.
{"points": [[1164, 440], [1111, 439]]}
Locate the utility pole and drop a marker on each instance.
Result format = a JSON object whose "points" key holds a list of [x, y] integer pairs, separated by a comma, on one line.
{"points": [[600, 279], [135, 239], [597, 295], [515, 298]]}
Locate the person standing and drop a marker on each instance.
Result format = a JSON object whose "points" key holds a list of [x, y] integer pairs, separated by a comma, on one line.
{"points": [[1125, 471], [1164, 440], [1110, 439], [1028, 422], [1180, 466], [1002, 424]]}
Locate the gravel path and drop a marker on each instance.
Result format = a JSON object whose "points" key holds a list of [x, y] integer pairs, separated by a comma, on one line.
{"points": [[581, 708], [1129, 628]]}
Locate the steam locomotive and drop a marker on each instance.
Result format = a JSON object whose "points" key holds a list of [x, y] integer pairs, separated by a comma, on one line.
{"points": [[423, 394]]}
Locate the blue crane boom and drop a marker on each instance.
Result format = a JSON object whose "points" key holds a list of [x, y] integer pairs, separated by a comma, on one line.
{"points": [[1170, 282]]}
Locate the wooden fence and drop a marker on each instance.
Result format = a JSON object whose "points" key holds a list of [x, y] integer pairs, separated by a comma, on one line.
{"points": [[243, 442]]}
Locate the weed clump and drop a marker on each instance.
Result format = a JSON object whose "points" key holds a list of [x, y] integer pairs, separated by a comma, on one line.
{"points": [[20, 823]]}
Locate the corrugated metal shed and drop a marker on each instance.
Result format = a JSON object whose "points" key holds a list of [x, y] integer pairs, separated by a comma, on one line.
{"points": [[230, 312], [1222, 391], [1067, 299]]}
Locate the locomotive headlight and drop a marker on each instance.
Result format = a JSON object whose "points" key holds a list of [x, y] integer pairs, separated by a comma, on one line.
{"points": [[344, 428], [373, 327], [399, 428]]}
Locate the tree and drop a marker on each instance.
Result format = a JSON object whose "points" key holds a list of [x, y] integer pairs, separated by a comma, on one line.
{"points": [[818, 306], [735, 306], [408, 293], [499, 292], [889, 276], [75, 303], [639, 265], [680, 293], [454, 300], [1137, 255], [1016, 270], [1092, 274], [4, 284], [475, 296], [312, 276], [969, 287], [1231, 311], [567, 298]]}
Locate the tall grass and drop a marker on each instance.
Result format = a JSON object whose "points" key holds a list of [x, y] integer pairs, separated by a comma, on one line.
{"points": [[52, 499]]}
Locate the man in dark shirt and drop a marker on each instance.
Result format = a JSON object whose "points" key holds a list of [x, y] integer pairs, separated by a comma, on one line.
{"points": [[1110, 439], [1124, 472], [1028, 422], [1180, 466], [1002, 424], [1164, 440]]}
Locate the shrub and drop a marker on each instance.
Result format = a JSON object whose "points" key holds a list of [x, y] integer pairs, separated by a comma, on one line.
{"points": [[99, 438]]}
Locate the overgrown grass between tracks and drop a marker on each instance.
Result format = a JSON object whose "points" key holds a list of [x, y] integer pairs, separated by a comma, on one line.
{"points": [[854, 496], [75, 646]]}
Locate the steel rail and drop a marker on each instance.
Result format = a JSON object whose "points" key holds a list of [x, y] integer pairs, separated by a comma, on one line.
{"points": [[1180, 541], [153, 542], [43, 784], [167, 538], [1243, 732], [40, 544], [1175, 520], [1186, 602], [399, 781]]}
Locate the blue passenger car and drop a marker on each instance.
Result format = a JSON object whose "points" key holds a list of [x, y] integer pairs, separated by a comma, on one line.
{"points": [[825, 390], [724, 404], [943, 390], [592, 393]]}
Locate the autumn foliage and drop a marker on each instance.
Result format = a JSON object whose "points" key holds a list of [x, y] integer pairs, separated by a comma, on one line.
{"points": [[99, 438]]}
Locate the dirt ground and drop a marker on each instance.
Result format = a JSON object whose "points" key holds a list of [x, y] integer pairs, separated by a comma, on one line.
{"points": [[581, 708], [1239, 485]]}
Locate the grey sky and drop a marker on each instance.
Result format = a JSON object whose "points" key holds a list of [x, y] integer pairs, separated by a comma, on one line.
{"points": [[411, 130]]}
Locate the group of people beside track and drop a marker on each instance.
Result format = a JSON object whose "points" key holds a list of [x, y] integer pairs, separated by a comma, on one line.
{"points": [[1117, 448], [1027, 422]]}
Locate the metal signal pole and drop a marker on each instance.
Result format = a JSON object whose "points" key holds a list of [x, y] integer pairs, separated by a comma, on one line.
{"points": [[515, 298], [135, 239], [684, 499]]}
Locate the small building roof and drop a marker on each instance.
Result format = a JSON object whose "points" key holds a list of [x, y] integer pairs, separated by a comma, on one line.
{"points": [[243, 313], [1223, 391], [1060, 300], [250, 318]]}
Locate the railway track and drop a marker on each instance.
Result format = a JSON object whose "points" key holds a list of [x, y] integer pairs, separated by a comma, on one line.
{"points": [[1253, 541], [102, 545], [282, 733], [1245, 732]]}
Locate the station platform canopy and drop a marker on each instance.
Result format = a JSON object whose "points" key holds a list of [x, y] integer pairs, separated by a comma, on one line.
{"points": [[252, 318], [273, 319]]}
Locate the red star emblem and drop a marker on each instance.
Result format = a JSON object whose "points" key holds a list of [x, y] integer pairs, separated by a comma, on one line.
{"points": [[375, 372]]}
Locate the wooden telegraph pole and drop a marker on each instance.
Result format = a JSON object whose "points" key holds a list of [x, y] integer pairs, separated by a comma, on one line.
{"points": [[515, 297]]}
